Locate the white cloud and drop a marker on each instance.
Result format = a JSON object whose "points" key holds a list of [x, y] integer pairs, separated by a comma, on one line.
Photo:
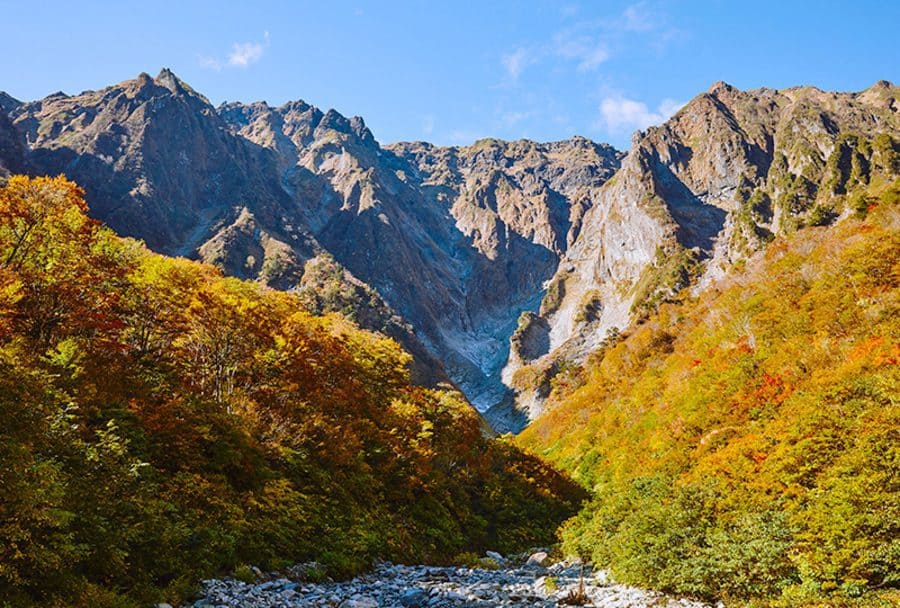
{"points": [[592, 59], [586, 44], [511, 119], [428, 124], [461, 137], [242, 55], [638, 18], [619, 114], [588, 52], [209, 63], [514, 63], [245, 53], [668, 107]]}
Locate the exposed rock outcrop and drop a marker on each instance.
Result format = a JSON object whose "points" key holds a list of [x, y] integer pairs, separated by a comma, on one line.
{"points": [[458, 242], [702, 192], [12, 149]]}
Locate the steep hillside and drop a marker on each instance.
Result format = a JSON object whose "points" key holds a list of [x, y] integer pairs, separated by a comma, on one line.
{"points": [[516, 207], [697, 195], [509, 261], [327, 287], [458, 249], [160, 424], [745, 441], [12, 149], [155, 158], [458, 240]]}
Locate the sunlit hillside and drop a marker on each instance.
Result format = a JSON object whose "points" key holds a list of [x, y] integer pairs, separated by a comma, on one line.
{"points": [[745, 442], [160, 423]]}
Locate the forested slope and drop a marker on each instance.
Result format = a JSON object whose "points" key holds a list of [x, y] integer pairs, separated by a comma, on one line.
{"points": [[160, 423], [745, 442]]}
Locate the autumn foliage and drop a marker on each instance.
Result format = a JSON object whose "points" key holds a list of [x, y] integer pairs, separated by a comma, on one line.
{"points": [[745, 442], [160, 423]]}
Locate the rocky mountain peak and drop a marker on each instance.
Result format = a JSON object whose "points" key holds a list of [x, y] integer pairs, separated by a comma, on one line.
{"points": [[358, 125], [179, 88], [883, 94], [881, 85], [166, 78], [354, 126], [720, 87], [696, 195], [8, 103], [580, 142], [296, 105], [240, 115], [502, 256]]}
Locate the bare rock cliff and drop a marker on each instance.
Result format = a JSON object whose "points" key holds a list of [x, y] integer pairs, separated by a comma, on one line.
{"points": [[499, 265], [698, 194]]}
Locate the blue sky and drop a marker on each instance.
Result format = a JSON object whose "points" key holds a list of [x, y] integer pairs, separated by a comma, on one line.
{"points": [[453, 72]]}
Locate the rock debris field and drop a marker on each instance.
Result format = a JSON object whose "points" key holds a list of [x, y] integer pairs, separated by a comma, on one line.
{"points": [[522, 582]]}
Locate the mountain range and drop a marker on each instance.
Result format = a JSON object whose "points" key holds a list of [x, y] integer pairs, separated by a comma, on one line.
{"points": [[497, 264]]}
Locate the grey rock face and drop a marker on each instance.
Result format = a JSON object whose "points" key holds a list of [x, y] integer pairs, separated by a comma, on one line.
{"points": [[457, 241], [453, 244], [12, 152], [707, 189], [154, 158], [509, 211]]}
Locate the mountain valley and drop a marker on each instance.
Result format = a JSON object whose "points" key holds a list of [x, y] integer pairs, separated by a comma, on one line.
{"points": [[503, 259], [248, 337]]}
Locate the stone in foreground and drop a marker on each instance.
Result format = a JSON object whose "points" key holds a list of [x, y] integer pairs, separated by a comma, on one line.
{"points": [[395, 586]]}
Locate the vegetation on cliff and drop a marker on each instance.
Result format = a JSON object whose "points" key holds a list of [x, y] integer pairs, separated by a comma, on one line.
{"points": [[745, 442]]}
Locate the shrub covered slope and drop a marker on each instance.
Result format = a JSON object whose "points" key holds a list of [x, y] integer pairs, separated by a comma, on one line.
{"points": [[745, 442], [160, 423]]}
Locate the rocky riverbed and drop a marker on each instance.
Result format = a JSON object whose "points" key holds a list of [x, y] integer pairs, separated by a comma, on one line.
{"points": [[520, 582]]}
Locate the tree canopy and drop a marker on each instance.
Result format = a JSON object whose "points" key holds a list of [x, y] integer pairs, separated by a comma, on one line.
{"points": [[160, 423]]}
